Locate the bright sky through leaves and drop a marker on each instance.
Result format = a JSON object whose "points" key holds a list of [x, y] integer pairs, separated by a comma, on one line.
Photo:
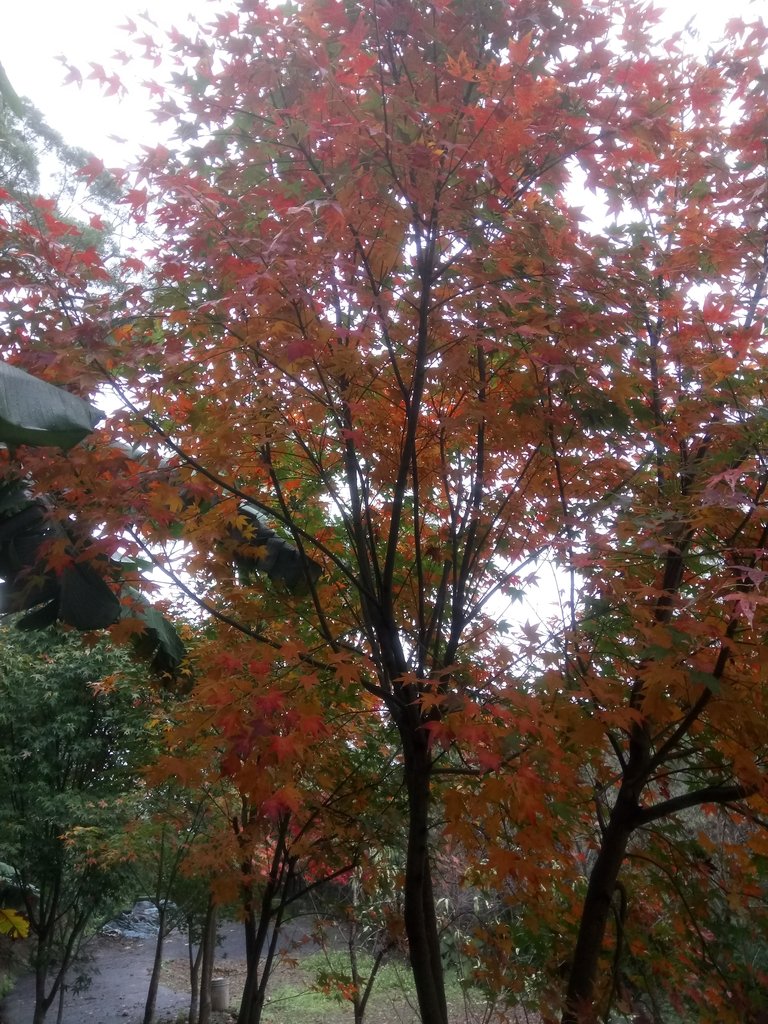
{"points": [[35, 34]]}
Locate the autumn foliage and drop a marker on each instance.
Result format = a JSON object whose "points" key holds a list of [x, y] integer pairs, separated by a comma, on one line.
{"points": [[455, 294]]}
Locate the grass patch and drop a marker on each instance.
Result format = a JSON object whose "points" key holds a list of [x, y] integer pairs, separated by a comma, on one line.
{"points": [[394, 975], [6, 984], [305, 1003], [392, 1001], [297, 1003]]}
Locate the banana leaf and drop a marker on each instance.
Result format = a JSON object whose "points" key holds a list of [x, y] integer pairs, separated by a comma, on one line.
{"points": [[260, 549], [37, 413], [77, 595], [159, 641]]}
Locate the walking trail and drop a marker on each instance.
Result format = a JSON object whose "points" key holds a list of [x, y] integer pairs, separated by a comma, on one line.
{"points": [[119, 973]]}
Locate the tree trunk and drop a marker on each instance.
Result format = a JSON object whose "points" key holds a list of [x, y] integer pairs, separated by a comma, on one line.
{"points": [[257, 978], [582, 981], [419, 903], [249, 1010], [195, 960], [154, 979], [41, 1005], [252, 1001], [42, 964], [249, 928], [208, 941], [62, 990], [271, 906]]}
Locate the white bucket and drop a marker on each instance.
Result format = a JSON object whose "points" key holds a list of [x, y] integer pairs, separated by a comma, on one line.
{"points": [[220, 994]]}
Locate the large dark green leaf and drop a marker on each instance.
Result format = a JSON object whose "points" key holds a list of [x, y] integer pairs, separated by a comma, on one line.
{"points": [[261, 549], [85, 600], [37, 413], [160, 641], [10, 97], [78, 595]]}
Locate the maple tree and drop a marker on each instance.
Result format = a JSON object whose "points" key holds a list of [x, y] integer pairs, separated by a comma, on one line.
{"points": [[376, 316], [665, 647], [297, 810]]}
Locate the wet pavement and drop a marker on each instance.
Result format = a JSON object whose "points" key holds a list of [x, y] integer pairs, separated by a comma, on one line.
{"points": [[119, 973]]}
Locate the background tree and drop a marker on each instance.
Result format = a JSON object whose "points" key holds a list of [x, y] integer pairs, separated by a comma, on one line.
{"points": [[31, 150], [59, 217], [71, 740], [158, 845]]}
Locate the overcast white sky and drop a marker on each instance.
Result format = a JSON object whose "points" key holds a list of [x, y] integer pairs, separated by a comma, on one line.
{"points": [[34, 32]]}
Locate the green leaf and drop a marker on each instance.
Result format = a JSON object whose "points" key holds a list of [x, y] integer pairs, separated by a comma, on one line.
{"points": [[10, 97], [13, 496], [86, 601], [41, 618], [169, 649], [266, 552], [37, 413], [705, 679], [13, 923]]}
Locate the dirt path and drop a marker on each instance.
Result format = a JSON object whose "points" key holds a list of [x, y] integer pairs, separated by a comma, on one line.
{"points": [[120, 971], [120, 975]]}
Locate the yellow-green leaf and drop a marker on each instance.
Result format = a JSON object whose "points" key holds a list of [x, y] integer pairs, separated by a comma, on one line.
{"points": [[13, 923]]}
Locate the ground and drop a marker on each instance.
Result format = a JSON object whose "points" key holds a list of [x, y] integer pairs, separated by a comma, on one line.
{"points": [[121, 971]]}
